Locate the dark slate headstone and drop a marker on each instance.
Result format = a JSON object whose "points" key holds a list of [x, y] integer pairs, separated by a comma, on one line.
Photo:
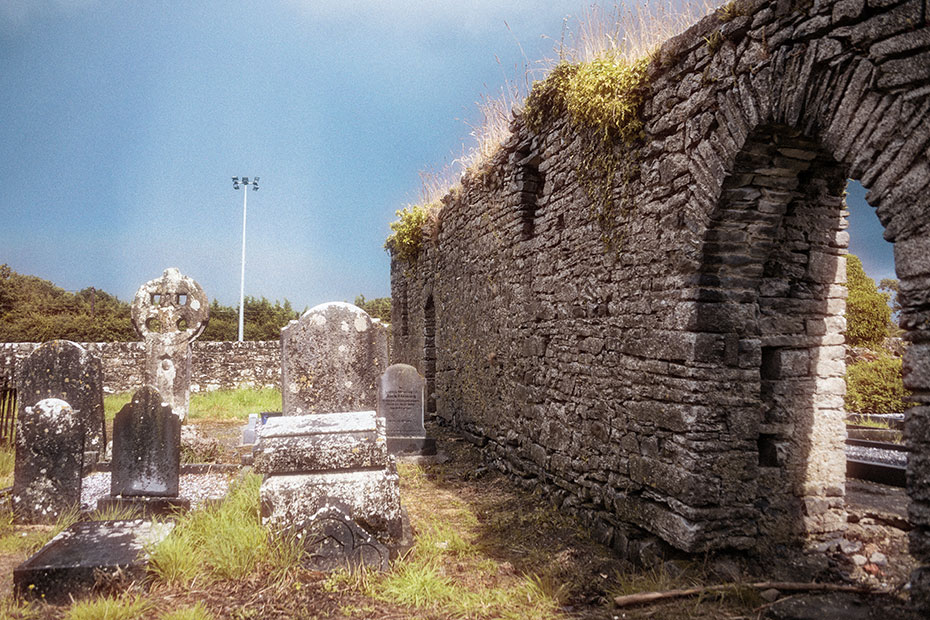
{"points": [[146, 447], [72, 563], [66, 370], [331, 359], [49, 461], [400, 403]]}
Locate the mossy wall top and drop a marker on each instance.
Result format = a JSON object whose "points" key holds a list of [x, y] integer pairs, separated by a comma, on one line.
{"points": [[658, 341]]}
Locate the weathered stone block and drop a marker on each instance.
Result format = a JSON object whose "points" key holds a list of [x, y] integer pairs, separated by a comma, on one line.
{"points": [[73, 562], [169, 313], [372, 498], [331, 441]]}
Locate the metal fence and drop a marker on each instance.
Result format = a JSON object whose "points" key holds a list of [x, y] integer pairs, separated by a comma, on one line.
{"points": [[7, 413]]}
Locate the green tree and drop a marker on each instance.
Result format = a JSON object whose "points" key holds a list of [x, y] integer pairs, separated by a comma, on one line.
{"points": [[379, 308], [876, 386], [868, 316]]}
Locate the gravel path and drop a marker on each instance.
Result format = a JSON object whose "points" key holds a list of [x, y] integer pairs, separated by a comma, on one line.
{"points": [[195, 487], [876, 455]]}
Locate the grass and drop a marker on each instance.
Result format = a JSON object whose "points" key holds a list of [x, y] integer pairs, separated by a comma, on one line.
{"points": [[215, 405], [7, 461], [218, 542], [608, 50], [111, 608]]}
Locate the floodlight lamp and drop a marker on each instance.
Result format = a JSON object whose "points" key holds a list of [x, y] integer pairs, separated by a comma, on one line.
{"points": [[245, 180]]}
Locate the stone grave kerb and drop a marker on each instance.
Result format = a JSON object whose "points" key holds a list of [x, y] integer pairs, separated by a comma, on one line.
{"points": [[169, 313], [65, 370]]}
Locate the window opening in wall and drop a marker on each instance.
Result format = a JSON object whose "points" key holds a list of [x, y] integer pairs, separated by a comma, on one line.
{"points": [[404, 318], [429, 353], [529, 182]]}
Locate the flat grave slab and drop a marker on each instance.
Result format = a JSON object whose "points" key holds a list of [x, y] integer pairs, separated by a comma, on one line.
{"points": [[71, 563]]}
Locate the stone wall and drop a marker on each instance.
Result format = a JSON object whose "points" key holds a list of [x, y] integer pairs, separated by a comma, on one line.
{"points": [[673, 362], [215, 365]]}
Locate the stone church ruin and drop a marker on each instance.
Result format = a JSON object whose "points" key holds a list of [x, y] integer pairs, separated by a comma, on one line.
{"points": [[669, 359]]}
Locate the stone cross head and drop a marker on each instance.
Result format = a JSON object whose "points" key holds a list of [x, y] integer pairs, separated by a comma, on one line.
{"points": [[173, 306]]}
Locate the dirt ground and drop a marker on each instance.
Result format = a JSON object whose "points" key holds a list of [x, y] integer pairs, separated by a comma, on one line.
{"points": [[873, 553]]}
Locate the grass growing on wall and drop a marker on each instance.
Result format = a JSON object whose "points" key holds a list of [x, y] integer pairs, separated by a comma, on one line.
{"points": [[599, 79]]}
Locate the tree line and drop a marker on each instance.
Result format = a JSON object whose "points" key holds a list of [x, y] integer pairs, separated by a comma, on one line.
{"points": [[35, 310]]}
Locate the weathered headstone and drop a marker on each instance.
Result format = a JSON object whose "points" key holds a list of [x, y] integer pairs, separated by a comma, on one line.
{"points": [[49, 461], [331, 359], [146, 461], [169, 313], [334, 460], [66, 370], [400, 403]]}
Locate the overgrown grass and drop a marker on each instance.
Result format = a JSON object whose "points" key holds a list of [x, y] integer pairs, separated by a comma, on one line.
{"points": [[112, 403], [233, 404], [111, 608], [7, 463], [604, 54], [223, 542]]}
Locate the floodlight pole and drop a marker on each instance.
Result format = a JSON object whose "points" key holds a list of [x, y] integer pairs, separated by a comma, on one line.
{"points": [[245, 201]]}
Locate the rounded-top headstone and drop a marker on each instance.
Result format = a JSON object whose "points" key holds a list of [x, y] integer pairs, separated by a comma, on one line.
{"points": [[331, 359], [66, 370], [172, 308], [49, 460]]}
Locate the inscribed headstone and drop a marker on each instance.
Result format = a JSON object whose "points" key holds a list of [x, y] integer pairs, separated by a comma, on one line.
{"points": [[169, 313], [66, 370], [146, 447], [49, 460], [331, 359], [400, 400]]}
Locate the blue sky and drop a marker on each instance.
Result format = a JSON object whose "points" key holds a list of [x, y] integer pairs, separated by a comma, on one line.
{"points": [[123, 122]]}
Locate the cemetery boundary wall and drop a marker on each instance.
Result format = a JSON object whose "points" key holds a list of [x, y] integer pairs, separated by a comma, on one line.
{"points": [[215, 365], [670, 359]]}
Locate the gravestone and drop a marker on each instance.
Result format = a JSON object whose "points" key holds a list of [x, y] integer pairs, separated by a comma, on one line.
{"points": [[400, 403], [328, 461], [86, 554], [331, 359], [169, 313], [146, 461], [67, 371], [49, 461]]}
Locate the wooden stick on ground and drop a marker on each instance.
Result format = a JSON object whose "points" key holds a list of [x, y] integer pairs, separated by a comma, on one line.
{"points": [[789, 586]]}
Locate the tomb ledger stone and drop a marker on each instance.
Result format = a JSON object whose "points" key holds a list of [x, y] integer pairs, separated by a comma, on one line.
{"points": [[65, 370], [49, 461], [333, 464], [169, 313], [331, 359]]}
